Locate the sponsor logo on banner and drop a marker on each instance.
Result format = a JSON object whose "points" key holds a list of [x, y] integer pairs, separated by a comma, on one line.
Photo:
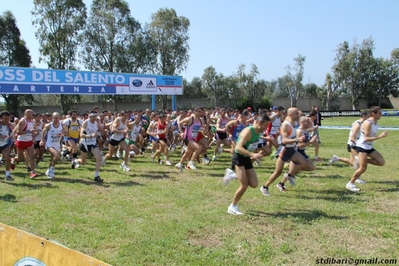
{"points": [[137, 83], [142, 84], [150, 85]]}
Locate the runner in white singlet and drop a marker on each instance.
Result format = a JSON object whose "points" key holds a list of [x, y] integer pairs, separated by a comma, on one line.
{"points": [[51, 140], [365, 147]]}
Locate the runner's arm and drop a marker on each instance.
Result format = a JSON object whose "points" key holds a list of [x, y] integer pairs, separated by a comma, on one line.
{"points": [[44, 134], [366, 127], [355, 130], [83, 129]]}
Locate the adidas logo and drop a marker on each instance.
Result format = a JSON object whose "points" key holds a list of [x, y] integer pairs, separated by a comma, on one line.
{"points": [[150, 85]]}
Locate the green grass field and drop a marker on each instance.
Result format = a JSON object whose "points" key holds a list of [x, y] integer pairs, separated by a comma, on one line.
{"points": [[154, 215]]}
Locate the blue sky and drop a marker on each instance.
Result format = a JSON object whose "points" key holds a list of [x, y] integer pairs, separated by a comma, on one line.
{"points": [[266, 33]]}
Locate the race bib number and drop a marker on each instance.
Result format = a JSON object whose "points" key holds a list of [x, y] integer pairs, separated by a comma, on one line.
{"points": [[55, 138], [90, 140], [195, 131], [134, 135], [252, 146]]}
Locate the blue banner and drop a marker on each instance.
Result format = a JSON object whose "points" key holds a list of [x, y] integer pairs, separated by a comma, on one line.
{"points": [[16, 80]]}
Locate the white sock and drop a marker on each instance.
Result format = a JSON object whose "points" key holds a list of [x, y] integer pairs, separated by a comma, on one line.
{"points": [[7, 172], [96, 174]]}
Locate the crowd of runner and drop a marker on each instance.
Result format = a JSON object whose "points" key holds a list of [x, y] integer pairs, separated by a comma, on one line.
{"points": [[200, 134]]}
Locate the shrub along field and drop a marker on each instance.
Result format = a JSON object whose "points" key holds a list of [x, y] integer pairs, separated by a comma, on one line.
{"points": [[155, 215]]}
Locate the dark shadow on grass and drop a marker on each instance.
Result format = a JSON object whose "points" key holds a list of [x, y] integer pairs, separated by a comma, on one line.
{"points": [[9, 198], [32, 186], [299, 216], [394, 189], [127, 183], [394, 185], [91, 182], [334, 195], [340, 192], [338, 165], [156, 175], [88, 182], [343, 198], [20, 175], [323, 176], [217, 174], [387, 182]]}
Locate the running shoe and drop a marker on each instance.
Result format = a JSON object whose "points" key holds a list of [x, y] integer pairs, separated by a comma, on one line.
{"points": [[281, 187], [9, 178], [352, 187], [33, 175], [233, 209], [191, 165], [333, 159], [290, 178], [228, 176], [98, 179], [265, 191]]}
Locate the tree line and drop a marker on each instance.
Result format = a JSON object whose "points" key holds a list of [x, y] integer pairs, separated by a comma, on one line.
{"points": [[107, 38]]}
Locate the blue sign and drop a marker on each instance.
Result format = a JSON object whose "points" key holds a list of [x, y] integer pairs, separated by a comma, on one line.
{"points": [[17, 80], [390, 112]]}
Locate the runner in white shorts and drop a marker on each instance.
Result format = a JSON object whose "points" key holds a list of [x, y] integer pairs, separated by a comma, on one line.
{"points": [[51, 140]]}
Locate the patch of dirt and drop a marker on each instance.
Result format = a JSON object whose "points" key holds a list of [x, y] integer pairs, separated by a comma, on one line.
{"points": [[204, 238]]}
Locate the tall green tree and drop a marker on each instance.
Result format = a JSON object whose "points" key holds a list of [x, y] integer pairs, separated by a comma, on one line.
{"points": [[339, 80], [193, 88], [365, 68], [280, 87], [110, 40], [385, 81], [13, 52], [395, 57], [331, 91], [214, 86], [251, 87], [353, 71], [271, 88], [168, 35], [310, 91], [233, 90], [295, 77], [59, 24]]}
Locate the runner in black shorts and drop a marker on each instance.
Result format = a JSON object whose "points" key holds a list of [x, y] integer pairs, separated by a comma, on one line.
{"points": [[305, 123], [365, 147], [288, 153], [247, 143], [221, 134], [354, 135]]}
